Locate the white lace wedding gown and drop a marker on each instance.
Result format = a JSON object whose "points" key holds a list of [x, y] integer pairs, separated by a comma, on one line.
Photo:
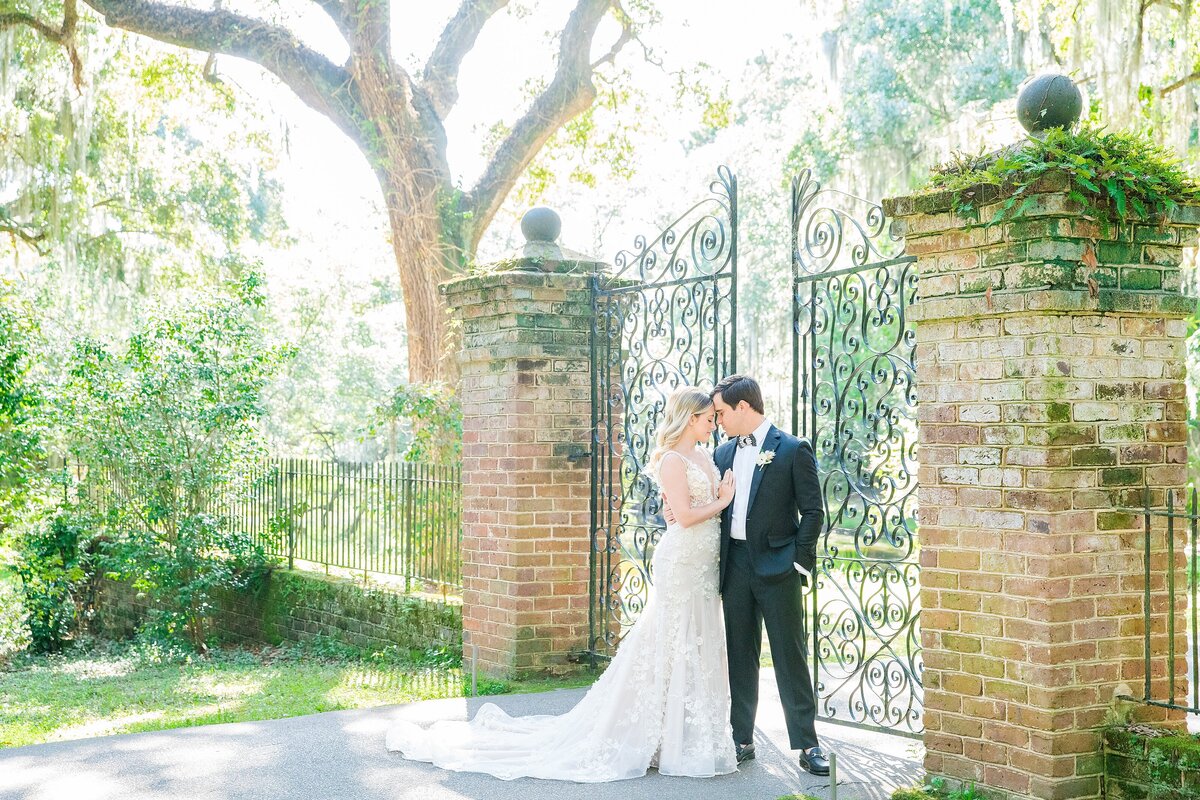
{"points": [[663, 701]]}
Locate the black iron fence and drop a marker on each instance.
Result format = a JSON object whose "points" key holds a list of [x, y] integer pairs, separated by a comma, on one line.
{"points": [[402, 519], [1170, 613], [396, 519]]}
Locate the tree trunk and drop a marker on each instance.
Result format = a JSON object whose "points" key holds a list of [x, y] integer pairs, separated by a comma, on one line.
{"points": [[417, 244], [414, 176]]}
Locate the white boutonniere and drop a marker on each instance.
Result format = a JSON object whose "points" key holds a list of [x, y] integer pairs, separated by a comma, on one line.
{"points": [[765, 457]]}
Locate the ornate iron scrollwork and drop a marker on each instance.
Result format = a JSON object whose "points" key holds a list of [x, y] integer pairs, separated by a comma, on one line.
{"points": [[664, 317], [854, 398]]}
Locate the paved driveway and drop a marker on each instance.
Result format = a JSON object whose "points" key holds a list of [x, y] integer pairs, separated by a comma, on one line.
{"points": [[340, 756]]}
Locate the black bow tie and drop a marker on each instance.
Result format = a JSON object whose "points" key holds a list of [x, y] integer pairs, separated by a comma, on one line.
{"points": [[748, 439]]}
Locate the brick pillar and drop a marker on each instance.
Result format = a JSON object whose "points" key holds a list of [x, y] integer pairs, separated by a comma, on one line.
{"points": [[526, 475], [1050, 394]]}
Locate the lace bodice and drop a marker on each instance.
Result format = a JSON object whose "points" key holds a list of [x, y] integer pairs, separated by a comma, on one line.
{"points": [[701, 481]]}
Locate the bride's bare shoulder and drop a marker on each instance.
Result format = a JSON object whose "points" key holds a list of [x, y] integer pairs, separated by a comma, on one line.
{"points": [[672, 465]]}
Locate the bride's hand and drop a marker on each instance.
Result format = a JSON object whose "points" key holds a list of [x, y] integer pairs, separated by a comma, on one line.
{"points": [[726, 487]]}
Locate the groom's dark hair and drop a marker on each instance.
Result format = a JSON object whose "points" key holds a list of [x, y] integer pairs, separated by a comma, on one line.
{"points": [[736, 388]]}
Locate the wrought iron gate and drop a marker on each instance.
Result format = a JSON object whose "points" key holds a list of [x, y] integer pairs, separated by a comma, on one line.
{"points": [[854, 397], [666, 316], [663, 318]]}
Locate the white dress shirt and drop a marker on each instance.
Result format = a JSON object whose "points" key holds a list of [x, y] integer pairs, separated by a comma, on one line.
{"points": [[744, 462]]}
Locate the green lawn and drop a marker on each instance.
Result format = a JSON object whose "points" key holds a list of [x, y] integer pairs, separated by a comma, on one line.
{"points": [[103, 689]]}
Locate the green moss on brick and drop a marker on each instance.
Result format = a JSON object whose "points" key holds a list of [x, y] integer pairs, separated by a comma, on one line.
{"points": [[1122, 740], [1141, 279], [1127, 768], [1119, 253], [1062, 435], [1006, 254], [975, 285], [1137, 765], [1184, 751], [1115, 520], [1058, 412], [1093, 456], [1105, 276], [1148, 234], [1121, 476], [1044, 274]]}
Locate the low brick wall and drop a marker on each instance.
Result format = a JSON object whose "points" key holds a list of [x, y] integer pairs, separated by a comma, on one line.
{"points": [[293, 606], [1138, 766]]}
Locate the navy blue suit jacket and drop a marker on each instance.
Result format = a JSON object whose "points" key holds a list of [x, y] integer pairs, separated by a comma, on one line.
{"points": [[785, 514]]}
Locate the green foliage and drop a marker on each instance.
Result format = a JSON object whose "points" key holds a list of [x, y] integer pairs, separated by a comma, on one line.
{"points": [[821, 148], [434, 418], [21, 448], [912, 794], [595, 145], [349, 353], [144, 179], [53, 567], [1139, 83], [909, 69], [14, 632], [936, 789], [1121, 175], [168, 428]]}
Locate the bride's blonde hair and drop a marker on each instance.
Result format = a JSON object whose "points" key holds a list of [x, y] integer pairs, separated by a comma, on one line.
{"points": [[684, 404]]}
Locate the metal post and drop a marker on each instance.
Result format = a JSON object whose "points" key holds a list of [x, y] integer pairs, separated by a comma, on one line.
{"points": [[1191, 572], [832, 775], [291, 517], [1171, 594], [1146, 601], [474, 662]]}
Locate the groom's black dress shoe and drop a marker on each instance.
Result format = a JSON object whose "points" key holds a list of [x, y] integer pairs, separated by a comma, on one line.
{"points": [[745, 752], [814, 761]]}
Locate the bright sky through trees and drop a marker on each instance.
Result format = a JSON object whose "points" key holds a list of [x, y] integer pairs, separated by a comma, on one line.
{"points": [[329, 184]]}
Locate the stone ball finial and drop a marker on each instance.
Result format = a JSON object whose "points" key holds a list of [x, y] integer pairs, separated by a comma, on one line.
{"points": [[541, 224], [1049, 101]]}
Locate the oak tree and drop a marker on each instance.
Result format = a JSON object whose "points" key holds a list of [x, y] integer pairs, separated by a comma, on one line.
{"points": [[395, 117]]}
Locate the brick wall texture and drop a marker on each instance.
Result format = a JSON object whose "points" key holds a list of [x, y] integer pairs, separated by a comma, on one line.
{"points": [[1050, 366], [526, 395]]}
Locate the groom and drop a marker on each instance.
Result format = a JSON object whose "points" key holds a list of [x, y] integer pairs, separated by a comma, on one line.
{"points": [[768, 553]]}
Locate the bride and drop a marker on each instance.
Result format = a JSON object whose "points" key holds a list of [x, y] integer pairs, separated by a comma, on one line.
{"points": [[664, 700]]}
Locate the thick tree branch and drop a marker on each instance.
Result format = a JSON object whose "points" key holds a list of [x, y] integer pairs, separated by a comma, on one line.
{"points": [[569, 93], [13, 19], [440, 77], [1179, 84], [17, 231], [324, 86], [63, 35]]}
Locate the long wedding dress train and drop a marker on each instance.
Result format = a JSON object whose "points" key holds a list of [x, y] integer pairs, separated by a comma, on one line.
{"points": [[663, 701]]}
